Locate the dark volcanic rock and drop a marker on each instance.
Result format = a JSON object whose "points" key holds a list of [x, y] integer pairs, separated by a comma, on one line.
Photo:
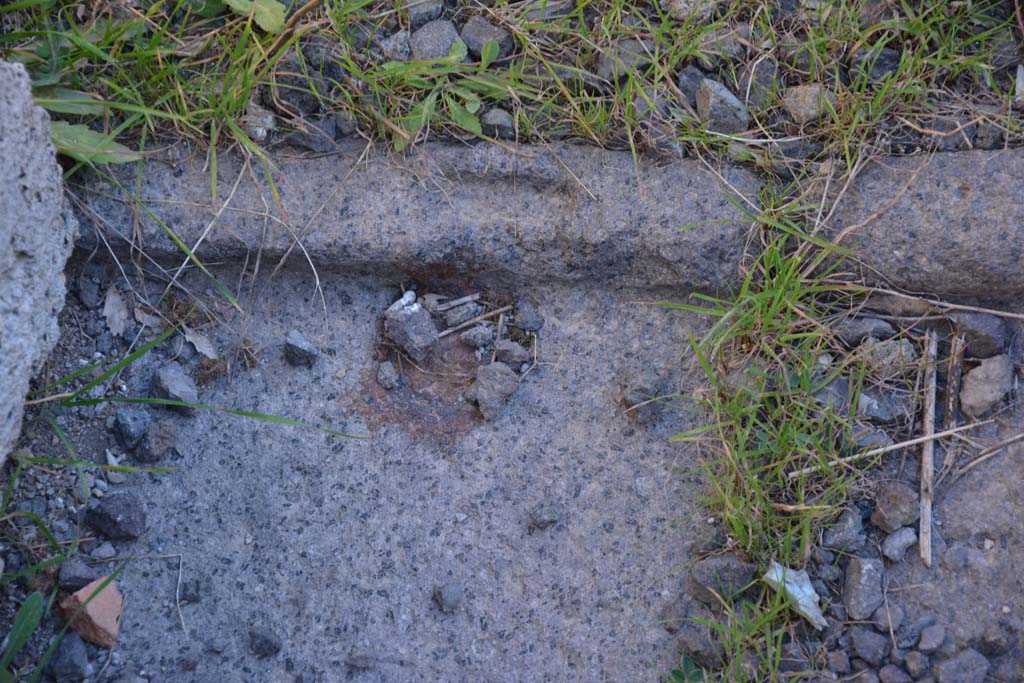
{"points": [[896, 505], [862, 592], [847, 534], [75, 574], [299, 351], [869, 645], [70, 661], [130, 424], [970, 666], [494, 384], [118, 516], [719, 109], [985, 335], [263, 642]]}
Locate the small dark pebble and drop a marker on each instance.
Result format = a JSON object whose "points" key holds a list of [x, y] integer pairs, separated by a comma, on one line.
{"points": [[448, 597], [263, 642]]}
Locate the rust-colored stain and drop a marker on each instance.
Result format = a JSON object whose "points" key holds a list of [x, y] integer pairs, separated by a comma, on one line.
{"points": [[429, 403]]}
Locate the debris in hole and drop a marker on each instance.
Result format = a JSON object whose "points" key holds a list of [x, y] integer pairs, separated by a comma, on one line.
{"points": [[510, 353], [984, 386], [462, 314], [478, 336], [299, 351], [409, 325], [495, 383]]}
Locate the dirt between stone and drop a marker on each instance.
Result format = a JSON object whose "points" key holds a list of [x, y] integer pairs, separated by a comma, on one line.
{"points": [[336, 546]]}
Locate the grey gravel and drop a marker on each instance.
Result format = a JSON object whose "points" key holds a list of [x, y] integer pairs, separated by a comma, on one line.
{"points": [[888, 358], [387, 375], [494, 384], [412, 328], [263, 642], [719, 109], [869, 645], [498, 123], [75, 574], [696, 641], [986, 385], [434, 40], [159, 443], [896, 544], [896, 505], [806, 103], [510, 353], [105, 551], [462, 314], [477, 336], [888, 618], [719, 575], [916, 663], [477, 31], [170, 382], [527, 317], [852, 331], [874, 64], [862, 591], [422, 11], [396, 46], [931, 638], [697, 11], [70, 661], [985, 335], [448, 596], [759, 84], [623, 57], [970, 666], [299, 351], [890, 673], [315, 135], [688, 80], [885, 406], [847, 534], [130, 425], [119, 516]]}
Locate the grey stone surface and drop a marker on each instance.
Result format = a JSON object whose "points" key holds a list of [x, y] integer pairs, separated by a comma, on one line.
{"points": [[159, 443], [396, 46], [874, 65], [422, 11], [506, 217], [719, 109], [695, 11], [499, 123], [699, 643], [477, 336], [448, 596], [862, 592], [338, 543], [962, 224], [511, 353], [36, 233], [410, 326], [75, 574], [263, 642], [130, 425], [387, 375], [433, 40], [688, 80], [759, 84], [807, 103]]}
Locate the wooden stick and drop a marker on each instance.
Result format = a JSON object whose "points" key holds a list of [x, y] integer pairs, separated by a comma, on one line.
{"points": [[885, 449], [935, 303], [474, 321], [924, 541], [457, 302], [988, 453], [956, 368]]}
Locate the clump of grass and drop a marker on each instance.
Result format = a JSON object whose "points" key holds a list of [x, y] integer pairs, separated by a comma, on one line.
{"points": [[171, 68], [764, 358]]}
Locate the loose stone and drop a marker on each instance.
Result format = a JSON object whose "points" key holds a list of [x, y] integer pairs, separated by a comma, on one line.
{"points": [[862, 591], [299, 351], [170, 382]]}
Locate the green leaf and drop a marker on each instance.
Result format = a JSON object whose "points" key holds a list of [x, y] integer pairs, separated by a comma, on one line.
{"points": [[462, 116], [488, 54], [206, 8], [68, 101], [470, 99], [86, 145], [268, 14], [417, 117], [458, 51], [25, 622]]}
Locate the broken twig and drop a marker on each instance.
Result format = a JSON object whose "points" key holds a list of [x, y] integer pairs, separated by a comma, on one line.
{"points": [[474, 321], [931, 346], [884, 449], [448, 305]]}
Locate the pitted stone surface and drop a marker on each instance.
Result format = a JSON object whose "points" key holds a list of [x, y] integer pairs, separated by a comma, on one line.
{"points": [[36, 235]]}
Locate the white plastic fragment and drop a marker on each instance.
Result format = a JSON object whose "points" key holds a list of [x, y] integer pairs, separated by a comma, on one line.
{"points": [[796, 586]]}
